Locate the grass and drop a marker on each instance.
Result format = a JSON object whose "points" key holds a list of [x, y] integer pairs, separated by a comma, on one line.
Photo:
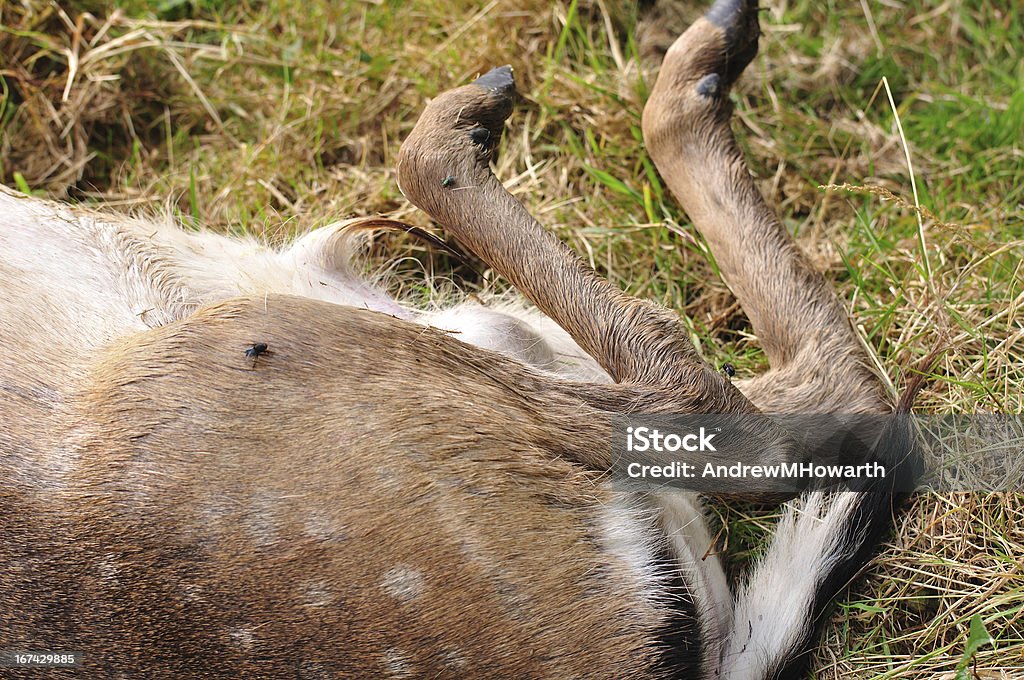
{"points": [[274, 117]]}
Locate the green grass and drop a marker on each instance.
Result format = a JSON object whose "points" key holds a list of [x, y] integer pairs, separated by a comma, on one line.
{"points": [[273, 117]]}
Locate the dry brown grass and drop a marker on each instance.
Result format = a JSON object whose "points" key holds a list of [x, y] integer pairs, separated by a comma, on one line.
{"points": [[274, 117]]}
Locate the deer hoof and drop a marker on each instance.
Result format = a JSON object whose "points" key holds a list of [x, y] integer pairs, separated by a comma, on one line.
{"points": [[737, 19]]}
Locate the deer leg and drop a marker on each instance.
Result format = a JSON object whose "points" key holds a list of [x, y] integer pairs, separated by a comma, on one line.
{"points": [[817, 362], [443, 168]]}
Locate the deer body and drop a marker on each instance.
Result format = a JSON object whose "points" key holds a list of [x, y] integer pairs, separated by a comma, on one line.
{"points": [[113, 428], [390, 493], [131, 444]]}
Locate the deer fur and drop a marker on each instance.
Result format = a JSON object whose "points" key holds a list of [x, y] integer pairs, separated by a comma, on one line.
{"points": [[394, 493]]}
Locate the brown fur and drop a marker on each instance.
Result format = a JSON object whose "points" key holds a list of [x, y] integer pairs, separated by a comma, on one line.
{"points": [[212, 497]]}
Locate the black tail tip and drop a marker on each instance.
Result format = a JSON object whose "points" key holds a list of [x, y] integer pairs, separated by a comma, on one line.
{"points": [[498, 80]]}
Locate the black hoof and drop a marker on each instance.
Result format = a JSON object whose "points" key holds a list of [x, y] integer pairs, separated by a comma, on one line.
{"points": [[498, 80], [738, 21], [490, 113]]}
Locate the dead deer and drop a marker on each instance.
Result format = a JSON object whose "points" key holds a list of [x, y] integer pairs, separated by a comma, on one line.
{"points": [[380, 492]]}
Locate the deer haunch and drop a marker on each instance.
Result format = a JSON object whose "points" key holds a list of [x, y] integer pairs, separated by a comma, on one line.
{"points": [[221, 460]]}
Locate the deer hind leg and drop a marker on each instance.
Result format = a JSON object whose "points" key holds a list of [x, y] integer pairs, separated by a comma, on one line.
{"points": [[817, 362], [443, 169]]}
